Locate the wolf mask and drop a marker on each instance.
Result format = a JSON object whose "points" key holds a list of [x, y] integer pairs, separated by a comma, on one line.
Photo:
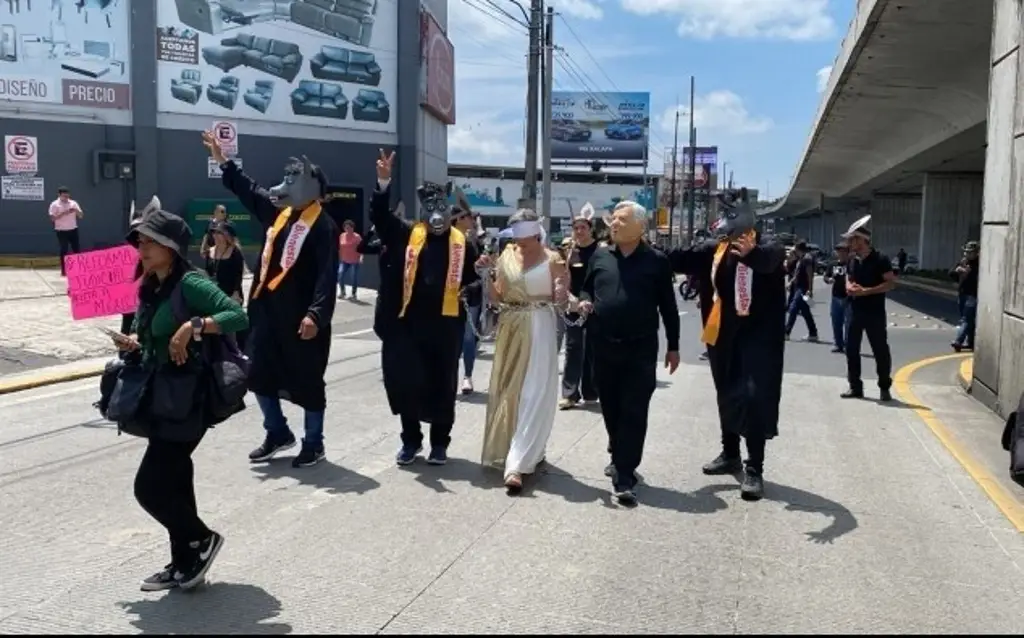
{"points": [[438, 212], [303, 184], [737, 215], [136, 215]]}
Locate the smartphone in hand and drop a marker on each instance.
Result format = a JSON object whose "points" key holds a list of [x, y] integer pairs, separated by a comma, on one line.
{"points": [[118, 338]]}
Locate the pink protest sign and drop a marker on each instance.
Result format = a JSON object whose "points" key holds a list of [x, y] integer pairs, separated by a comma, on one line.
{"points": [[101, 282]]}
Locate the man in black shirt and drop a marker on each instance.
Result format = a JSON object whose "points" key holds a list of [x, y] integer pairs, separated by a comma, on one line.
{"points": [[869, 276], [840, 310], [627, 286], [966, 274], [578, 375], [802, 291]]}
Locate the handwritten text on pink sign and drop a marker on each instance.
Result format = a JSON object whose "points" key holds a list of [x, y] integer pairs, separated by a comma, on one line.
{"points": [[101, 282]]}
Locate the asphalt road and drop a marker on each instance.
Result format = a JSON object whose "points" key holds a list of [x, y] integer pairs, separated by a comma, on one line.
{"points": [[868, 526]]}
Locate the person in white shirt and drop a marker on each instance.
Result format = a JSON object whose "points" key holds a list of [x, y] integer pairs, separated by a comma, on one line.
{"points": [[65, 213]]}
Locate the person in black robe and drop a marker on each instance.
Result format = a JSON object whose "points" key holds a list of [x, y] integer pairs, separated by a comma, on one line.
{"points": [[291, 301], [423, 313], [745, 335]]}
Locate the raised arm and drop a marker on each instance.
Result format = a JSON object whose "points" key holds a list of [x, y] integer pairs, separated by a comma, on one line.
{"points": [[252, 196], [392, 230], [692, 260]]}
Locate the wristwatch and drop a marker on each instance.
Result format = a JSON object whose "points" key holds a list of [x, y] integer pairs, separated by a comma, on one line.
{"points": [[197, 328]]}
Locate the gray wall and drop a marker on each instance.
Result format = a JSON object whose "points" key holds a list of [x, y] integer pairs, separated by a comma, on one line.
{"points": [[172, 161], [999, 350]]}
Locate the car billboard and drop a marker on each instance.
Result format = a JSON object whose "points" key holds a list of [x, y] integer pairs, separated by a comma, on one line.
{"points": [[599, 126]]}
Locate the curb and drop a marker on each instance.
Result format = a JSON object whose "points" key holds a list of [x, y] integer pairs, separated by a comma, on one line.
{"points": [[926, 287], [29, 381], [18, 261], [965, 374]]}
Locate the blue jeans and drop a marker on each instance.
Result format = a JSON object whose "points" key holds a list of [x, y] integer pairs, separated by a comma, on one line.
{"points": [[469, 340], [840, 313], [797, 306], [348, 273], [968, 317], [276, 425]]}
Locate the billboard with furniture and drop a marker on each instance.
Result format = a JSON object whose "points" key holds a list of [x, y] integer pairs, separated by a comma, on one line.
{"points": [[370, 105], [259, 96], [345, 65], [320, 99], [224, 93], [189, 87], [280, 59]]}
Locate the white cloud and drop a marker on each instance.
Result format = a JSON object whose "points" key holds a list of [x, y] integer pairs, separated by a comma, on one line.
{"points": [[583, 9], [823, 75], [718, 112], [487, 139], [774, 19]]}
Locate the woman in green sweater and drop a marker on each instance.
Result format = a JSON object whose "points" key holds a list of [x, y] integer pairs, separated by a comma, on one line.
{"points": [[164, 485]]}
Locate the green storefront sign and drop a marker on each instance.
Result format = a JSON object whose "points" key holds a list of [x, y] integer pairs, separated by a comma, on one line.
{"points": [[199, 212]]}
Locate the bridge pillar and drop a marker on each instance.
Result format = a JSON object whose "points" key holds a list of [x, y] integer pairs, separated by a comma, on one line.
{"points": [[950, 216], [895, 223], [999, 348]]}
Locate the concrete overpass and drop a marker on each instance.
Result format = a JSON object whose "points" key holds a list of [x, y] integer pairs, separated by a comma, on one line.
{"points": [[922, 125]]}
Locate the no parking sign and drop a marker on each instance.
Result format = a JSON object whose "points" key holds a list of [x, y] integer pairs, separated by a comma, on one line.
{"points": [[21, 154], [227, 134]]}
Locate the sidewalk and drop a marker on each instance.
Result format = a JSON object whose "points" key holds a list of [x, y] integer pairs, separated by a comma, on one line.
{"points": [[36, 328], [869, 525]]}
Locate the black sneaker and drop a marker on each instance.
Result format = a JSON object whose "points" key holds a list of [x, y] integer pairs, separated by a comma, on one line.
{"points": [[703, 356], [609, 470], [438, 456], [270, 447], [885, 395], [723, 465], [407, 455], [837, 350], [852, 394], [625, 495], [205, 553], [160, 581], [753, 486], [309, 456]]}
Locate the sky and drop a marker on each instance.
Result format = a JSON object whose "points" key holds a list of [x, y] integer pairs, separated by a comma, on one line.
{"points": [[760, 67]]}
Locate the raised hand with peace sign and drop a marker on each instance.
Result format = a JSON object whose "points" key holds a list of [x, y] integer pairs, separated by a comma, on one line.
{"points": [[384, 164]]}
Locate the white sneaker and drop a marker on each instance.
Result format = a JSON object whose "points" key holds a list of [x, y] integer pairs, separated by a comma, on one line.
{"points": [[467, 386]]}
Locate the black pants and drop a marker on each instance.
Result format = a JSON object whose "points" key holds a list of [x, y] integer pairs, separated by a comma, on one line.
{"points": [[67, 240], [412, 433], [874, 326], [165, 488], [578, 376], [755, 449], [626, 375]]}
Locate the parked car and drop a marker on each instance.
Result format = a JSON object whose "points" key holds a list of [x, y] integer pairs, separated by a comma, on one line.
{"points": [[911, 267], [569, 131], [624, 130]]}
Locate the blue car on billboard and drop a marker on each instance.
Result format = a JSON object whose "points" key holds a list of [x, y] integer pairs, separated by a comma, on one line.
{"points": [[624, 130]]}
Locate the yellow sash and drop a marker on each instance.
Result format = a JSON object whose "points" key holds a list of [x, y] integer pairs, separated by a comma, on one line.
{"points": [[293, 245], [453, 280], [714, 322]]}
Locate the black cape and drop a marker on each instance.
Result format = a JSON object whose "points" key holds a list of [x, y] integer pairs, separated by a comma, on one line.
{"points": [[283, 365], [420, 354], [747, 360]]}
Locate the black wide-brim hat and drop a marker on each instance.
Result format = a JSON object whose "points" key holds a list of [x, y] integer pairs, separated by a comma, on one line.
{"points": [[166, 229], [224, 227]]}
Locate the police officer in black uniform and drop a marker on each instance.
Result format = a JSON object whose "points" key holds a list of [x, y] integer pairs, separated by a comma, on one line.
{"points": [[869, 276]]}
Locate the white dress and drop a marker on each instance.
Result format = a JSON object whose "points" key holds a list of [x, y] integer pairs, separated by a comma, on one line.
{"points": [[538, 400]]}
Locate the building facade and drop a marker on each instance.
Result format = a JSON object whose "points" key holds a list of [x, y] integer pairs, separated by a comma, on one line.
{"points": [[109, 100]]}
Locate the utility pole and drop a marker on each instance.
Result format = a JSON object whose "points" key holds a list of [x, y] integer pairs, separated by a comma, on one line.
{"points": [[529, 197], [549, 81], [693, 161], [674, 181]]}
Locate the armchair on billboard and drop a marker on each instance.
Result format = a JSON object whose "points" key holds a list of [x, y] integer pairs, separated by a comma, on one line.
{"points": [[600, 126]]}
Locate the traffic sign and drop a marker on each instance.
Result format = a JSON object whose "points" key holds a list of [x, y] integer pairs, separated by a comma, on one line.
{"points": [[227, 134], [21, 154]]}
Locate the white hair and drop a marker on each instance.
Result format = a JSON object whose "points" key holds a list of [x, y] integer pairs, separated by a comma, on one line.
{"points": [[638, 211]]}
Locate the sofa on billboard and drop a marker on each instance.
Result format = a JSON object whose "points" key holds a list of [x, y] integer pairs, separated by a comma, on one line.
{"points": [[224, 93], [320, 99], [259, 96], [370, 105], [276, 57], [350, 20], [215, 16], [345, 65], [189, 87]]}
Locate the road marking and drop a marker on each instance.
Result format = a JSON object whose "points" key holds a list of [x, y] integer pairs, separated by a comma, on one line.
{"points": [[1006, 502]]}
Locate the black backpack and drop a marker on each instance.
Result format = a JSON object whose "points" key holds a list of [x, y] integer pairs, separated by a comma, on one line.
{"points": [[1013, 442], [225, 368]]}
